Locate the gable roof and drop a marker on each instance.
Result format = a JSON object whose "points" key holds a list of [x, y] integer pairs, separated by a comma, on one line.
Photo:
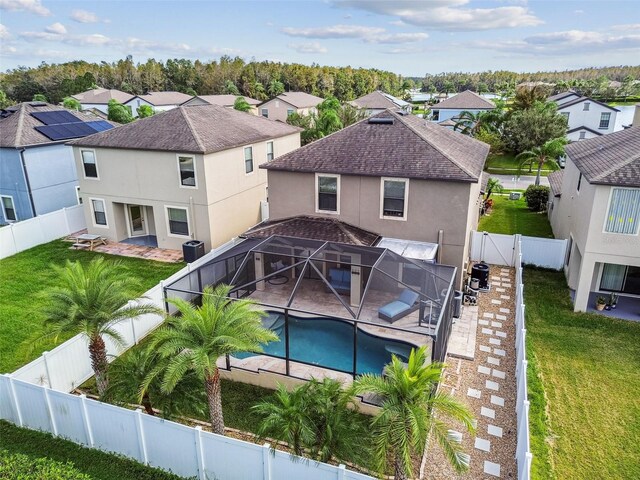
{"points": [[190, 129], [582, 127], [224, 100], [612, 159], [466, 100], [101, 96], [585, 99], [379, 100], [314, 228], [562, 96], [406, 146], [555, 182], [299, 99], [159, 99], [18, 126]]}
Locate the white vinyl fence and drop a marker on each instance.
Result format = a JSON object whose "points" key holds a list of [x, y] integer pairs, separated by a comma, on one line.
{"points": [[183, 450], [68, 365], [498, 249], [23, 235]]}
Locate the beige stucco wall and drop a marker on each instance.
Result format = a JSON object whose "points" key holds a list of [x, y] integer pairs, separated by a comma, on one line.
{"points": [[432, 206], [278, 109]]}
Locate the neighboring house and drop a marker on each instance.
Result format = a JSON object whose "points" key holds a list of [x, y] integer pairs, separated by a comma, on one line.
{"points": [[586, 117], [37, 170], [466, 101], [376, 102], [98, 98], [395, 175], [222, 100], [188, 173], [158, 101], [280, 107], [595, 205]]}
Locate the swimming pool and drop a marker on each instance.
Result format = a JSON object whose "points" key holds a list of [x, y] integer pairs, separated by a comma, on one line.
{"points": [[328, 342]]}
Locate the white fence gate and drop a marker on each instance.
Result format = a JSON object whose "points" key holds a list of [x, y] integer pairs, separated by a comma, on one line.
{"points": [[499, 249], [20, 236]]}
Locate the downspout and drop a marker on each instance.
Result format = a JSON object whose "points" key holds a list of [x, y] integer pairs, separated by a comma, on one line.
{"points": [[26, 181], [440, 242], [192, 211]]}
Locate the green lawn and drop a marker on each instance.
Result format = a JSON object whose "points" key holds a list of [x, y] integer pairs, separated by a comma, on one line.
{"points": [[96, 464], [586, 375], [506, 164], [513, 216], [24, 278]]}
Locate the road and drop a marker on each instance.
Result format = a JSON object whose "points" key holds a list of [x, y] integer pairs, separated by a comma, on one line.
{"points": [[508, 181]]}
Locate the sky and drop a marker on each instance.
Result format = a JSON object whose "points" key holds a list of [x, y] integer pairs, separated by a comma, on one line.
{"points": [[411, 38]]}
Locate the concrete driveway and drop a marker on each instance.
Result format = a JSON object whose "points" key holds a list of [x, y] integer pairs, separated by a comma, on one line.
{"points": [[519, 183]]}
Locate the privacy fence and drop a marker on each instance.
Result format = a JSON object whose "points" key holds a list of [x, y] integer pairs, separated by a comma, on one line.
{"points": [[20, 236]]}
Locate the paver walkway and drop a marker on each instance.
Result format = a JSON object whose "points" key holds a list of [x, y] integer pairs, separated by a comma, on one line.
{"points": [[487, 386]]}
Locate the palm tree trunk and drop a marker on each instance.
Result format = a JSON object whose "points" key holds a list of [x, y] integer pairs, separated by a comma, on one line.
{"points": [[538, 175], [399, 470], [146, 403], [98, 355], [214, 397]]}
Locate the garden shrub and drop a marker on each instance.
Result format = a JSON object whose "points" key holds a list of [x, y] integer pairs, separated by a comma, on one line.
{"points": [[22, 467], [537, 197]]}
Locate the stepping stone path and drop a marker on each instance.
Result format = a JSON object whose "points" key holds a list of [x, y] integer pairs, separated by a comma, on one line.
{"points": [[496, 324], [491, 468], [482, 444]]}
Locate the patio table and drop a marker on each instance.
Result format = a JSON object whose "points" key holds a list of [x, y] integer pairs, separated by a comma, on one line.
{"points": [[89, 240]]}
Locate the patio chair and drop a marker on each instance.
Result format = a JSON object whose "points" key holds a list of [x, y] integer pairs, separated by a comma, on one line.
{"points": [[406, 303]]}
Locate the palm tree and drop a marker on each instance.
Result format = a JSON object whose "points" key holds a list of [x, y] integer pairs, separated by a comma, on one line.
{"points": [[411, 409], [241, 105], [547, 154], [91, 300], [493, 185], [195, 339], [275, 88]]}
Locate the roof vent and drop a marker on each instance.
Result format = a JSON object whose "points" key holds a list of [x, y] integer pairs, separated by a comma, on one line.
{"points": [[38, 104], [381, 121]]}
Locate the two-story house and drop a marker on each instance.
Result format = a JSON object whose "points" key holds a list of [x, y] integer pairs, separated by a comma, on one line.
{"points": [[452, 107], [376, 102], [586, 117], [158, 101], [188, 173], [222, 100], [595, 204], [98, 98], [395, 175], [37, 170], [280, 107]]}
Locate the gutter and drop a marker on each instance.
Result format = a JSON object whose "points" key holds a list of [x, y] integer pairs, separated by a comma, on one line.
{"points": [[26, 180]]}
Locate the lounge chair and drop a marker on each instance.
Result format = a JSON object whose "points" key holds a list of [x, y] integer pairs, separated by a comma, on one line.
{"points": [[405, 304]]}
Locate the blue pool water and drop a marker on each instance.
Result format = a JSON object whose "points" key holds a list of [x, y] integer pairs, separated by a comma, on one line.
{"points": [[328, 342]]}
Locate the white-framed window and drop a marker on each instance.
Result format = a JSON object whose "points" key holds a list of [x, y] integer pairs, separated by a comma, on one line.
{"points": [[9, 209], [394, 193], [585, 106], [269, 151], [290, 111], [177, 221], [583, 135], [264, 112], [605, 118], [327, 193], [623, 214], [248, 160], [187, 171], [78, 196], [89, 164], [98, 212]]}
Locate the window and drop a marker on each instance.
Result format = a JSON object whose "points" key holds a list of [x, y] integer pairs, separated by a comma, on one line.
{"points": [[269, 151], [620, 278], [89, 164], [585, 106], [9, 209], [78, 197], [99, 214], [579, 182], [435, 116], [394, 198], [604, 120], [624, 211], [328, 192], [264, 112], [290, 111], [178, 221], [187, 168], [248, 159], [583, 135]]}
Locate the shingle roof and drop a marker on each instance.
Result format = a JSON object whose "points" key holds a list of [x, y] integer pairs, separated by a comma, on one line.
{"points": [[17, 125], [315, 228], [165, 98], [300, 99], [612, 159], [583, 99], [409, 147], [555, 182], [101, 96], [560, 96], [224, 100], [192, 129], [379, 100], [466, 100]]}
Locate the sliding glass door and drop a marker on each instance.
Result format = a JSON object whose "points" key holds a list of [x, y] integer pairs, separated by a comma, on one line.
{"points": [[620, 278]]}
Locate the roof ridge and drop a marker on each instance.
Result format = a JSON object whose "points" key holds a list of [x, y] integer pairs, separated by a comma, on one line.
{"points": [[342, 228], [20, 124], [410, 127], [192, 129]]}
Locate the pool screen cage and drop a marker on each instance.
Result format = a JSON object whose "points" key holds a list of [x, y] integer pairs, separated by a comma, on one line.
{"points": [[334, 280]]}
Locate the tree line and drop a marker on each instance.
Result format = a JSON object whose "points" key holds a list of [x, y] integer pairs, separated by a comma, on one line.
{"points": [[232, 75]]}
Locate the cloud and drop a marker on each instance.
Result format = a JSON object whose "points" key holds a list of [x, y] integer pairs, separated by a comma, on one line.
{"points": [[83, 16], [31, 6], [4, 33], [578, 12], [313, 47], [451, 15], [626, 27], [398, 38], [335, 31], [56, 28]]}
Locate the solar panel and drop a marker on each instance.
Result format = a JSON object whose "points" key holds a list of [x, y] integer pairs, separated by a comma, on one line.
{"points": [[100, 125], [56, 117], [66, 131]]}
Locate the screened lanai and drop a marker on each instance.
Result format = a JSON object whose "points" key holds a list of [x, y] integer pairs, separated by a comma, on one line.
{"points": [[372, 290]]}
